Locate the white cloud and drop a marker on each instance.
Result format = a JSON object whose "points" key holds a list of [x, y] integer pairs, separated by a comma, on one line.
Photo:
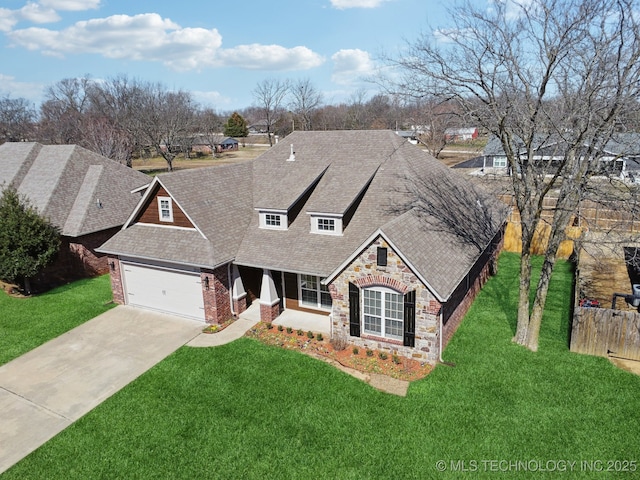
{"points": [[71, 5], [8, 18], [270, 57], [211, 99], [351, 65], [10, 86], [344, 4], [150, 37], [36, 13]]}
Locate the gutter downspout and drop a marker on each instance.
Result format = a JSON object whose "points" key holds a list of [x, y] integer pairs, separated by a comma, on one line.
{"points": [[230, 280], [441, 333]]}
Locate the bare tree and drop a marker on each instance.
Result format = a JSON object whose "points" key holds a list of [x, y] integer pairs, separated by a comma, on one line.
{"points": [[305, 100], [17, 118], [269, 96], [431, 117], [536, 74], [210, 127], [101, 135], [165, 119], [62, 112], [451, 204], [149, 114]]}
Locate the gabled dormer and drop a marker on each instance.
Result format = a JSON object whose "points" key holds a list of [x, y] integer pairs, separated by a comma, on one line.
{"points": [[326, 223], [273, 219], [158, 207]]}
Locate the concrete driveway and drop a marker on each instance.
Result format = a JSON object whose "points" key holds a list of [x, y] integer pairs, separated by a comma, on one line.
{"points": [[47, 389]]}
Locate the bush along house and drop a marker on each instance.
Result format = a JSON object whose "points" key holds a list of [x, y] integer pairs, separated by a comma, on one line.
{"points": [[324, 223], [87, 196]]}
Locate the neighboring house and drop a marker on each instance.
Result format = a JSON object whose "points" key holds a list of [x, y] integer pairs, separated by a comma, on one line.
{"points": [[86, 195], [410, 135], [308, 227], [202, 145], [460, 134], [621, 154], [228, 144], [259, 127]]}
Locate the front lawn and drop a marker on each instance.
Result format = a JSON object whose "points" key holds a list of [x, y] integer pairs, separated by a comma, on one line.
{"points": [[246, 410], [29, 322]]}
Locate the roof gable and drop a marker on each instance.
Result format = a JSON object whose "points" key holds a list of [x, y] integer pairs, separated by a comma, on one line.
{"points": [[79, 191]]}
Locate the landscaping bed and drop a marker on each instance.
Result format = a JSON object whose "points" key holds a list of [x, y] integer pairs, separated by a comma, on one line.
{"points": [[348, 355]]}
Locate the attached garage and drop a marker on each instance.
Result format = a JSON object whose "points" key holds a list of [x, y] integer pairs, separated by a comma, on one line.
{"points": [[159, 287]]}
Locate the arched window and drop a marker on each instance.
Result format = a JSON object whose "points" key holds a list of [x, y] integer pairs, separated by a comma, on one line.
{"points": [[383, 312]]}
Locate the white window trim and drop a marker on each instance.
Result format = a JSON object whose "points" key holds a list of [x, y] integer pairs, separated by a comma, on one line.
{"points": [[318, 291], [263, 219], [383, 333], [500, 162], [337, 222], [170, 208]]}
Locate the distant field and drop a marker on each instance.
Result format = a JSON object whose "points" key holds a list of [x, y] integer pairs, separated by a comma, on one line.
{"points": [[158, 164]]}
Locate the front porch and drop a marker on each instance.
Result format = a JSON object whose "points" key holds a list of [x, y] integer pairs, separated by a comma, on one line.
{"points": [[295, 319]]}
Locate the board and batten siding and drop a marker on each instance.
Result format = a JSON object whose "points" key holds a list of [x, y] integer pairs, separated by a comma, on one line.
{"points": [[149, 213]]}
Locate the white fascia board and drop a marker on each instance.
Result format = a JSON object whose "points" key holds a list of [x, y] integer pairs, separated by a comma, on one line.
{"points": [[140, 188], [365, 244], [271, 210], [328, 215], [141, 202]]}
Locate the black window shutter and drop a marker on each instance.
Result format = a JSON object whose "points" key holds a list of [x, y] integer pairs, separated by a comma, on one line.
{"points": [[354, 310], [410, 319]]}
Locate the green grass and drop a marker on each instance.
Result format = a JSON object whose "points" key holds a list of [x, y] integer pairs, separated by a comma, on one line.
{"points": [[29, 322], [245, 410]]}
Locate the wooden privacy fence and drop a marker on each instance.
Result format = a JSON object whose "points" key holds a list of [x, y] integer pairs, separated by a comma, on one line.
{"points": [[605, 332]]}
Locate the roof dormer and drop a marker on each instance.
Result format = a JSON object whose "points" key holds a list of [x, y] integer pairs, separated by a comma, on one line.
{"points": [[273, 219], [326, 224]]}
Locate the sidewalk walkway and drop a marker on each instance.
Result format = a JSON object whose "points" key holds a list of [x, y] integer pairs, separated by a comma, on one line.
{"points": [[47, 389]]}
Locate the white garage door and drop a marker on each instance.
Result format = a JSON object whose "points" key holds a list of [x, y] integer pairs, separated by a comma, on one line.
{"points": [[172, 291]]}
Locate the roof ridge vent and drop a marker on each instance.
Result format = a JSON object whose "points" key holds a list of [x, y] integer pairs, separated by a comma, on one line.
{"points": [[292, 156]]}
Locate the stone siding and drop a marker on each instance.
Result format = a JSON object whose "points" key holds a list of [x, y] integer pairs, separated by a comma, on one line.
{"points": [[364, 272]]}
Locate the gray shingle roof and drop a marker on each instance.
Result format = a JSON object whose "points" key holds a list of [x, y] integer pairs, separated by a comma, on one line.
{"points": [[147, 242], [223, 203], [627, 144], [218, 200], [441, 259], [77, 190]]}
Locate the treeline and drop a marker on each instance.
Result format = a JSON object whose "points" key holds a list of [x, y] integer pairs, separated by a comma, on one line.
{"points": [[122, 118]]}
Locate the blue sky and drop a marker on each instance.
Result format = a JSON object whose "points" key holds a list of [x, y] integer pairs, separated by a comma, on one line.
{"points": [[217, 50]]}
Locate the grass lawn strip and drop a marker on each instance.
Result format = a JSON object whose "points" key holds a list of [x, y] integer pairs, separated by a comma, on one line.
{"points": [[248, 410], [27, 323]]}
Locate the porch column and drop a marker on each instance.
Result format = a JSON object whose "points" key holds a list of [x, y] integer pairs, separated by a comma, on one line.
{"points": [[238, 292], [269, 300]]}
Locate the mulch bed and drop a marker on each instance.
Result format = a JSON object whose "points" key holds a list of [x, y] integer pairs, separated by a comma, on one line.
{"points": [[12, 290], [348, 355]]}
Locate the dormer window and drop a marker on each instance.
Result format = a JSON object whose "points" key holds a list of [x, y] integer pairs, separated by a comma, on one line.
{"points": [[273, 220], [326, 224], [165, 209]]}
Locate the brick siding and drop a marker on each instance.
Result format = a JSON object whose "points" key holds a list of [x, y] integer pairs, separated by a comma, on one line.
{"points": [[217, 305]]}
